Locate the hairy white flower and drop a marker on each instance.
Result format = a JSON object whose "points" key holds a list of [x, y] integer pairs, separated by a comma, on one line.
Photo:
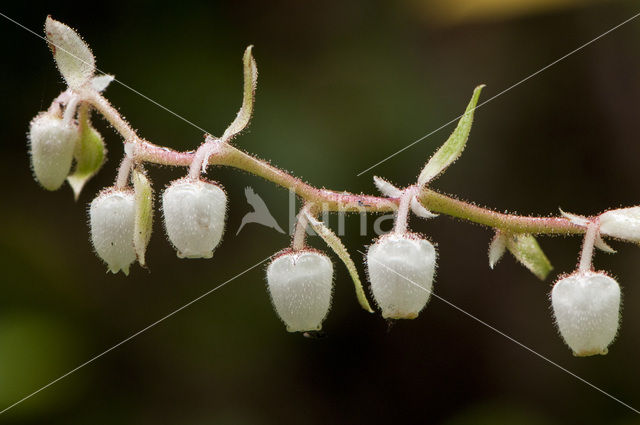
{"points": [[586, 306], [401, 269], [112, 219], [623, 223], [194, 216], [51, 144], [300, 284]]}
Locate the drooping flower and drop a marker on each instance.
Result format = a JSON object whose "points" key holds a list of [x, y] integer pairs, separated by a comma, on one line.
{"points": [[194, 216], [51, 145], [586, 306], [401, 269], [623, 223], [112, 220], [300, 284]]}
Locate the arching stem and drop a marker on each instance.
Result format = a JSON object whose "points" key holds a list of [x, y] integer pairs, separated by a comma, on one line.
{"points": [[333, 200]]}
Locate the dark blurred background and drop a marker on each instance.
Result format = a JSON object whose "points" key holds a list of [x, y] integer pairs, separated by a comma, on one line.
{"points": [[342, 85]]}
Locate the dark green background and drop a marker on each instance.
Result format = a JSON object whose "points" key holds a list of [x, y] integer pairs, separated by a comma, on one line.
{"points": [[342, 85]]}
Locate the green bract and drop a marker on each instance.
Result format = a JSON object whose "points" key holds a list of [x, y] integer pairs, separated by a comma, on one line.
{"points": [[89, 155], [73, 56], [455, 144]]}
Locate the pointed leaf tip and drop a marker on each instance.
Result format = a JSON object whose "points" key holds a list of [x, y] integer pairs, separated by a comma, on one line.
{"points": [[101, 82], [338, 247], [386, 188], [243, 117], [89, 154], [420, 210], [497, 248], [451, 150], [72, 55], [527, 251], [578, 220], [604, 246]]}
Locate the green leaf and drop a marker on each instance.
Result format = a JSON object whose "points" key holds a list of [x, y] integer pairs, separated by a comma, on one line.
{"points": [[250, 83], [527, 251], [89, 154], [336, 245], [453, 147], [144, 213], [72, 55]]}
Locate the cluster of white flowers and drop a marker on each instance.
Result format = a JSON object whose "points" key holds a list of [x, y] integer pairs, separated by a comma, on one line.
{"points": [[400, 265], [401, 268], [194, 217], [194, 210]]}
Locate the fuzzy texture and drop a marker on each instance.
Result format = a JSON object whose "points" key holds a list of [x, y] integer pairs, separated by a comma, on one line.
{"points": [[194, 216], [497, 248], [300, 284], [112, 219], [401, 269], [73, 56], [586, 306], [622, 223], [51, 145]]}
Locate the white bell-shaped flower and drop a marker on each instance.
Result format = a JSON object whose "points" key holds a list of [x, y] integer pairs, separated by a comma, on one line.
{"points": [[401, 269], [623, 223], [112, 219], [586, 306], [194, 216], [300, 284], [51, 145]]}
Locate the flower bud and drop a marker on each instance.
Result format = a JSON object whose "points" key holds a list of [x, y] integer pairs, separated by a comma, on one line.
{"points": [[194, 215], [401, 269], [51, 144], [300, 284], [112, 219], [623, 223], [586, 306]]}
